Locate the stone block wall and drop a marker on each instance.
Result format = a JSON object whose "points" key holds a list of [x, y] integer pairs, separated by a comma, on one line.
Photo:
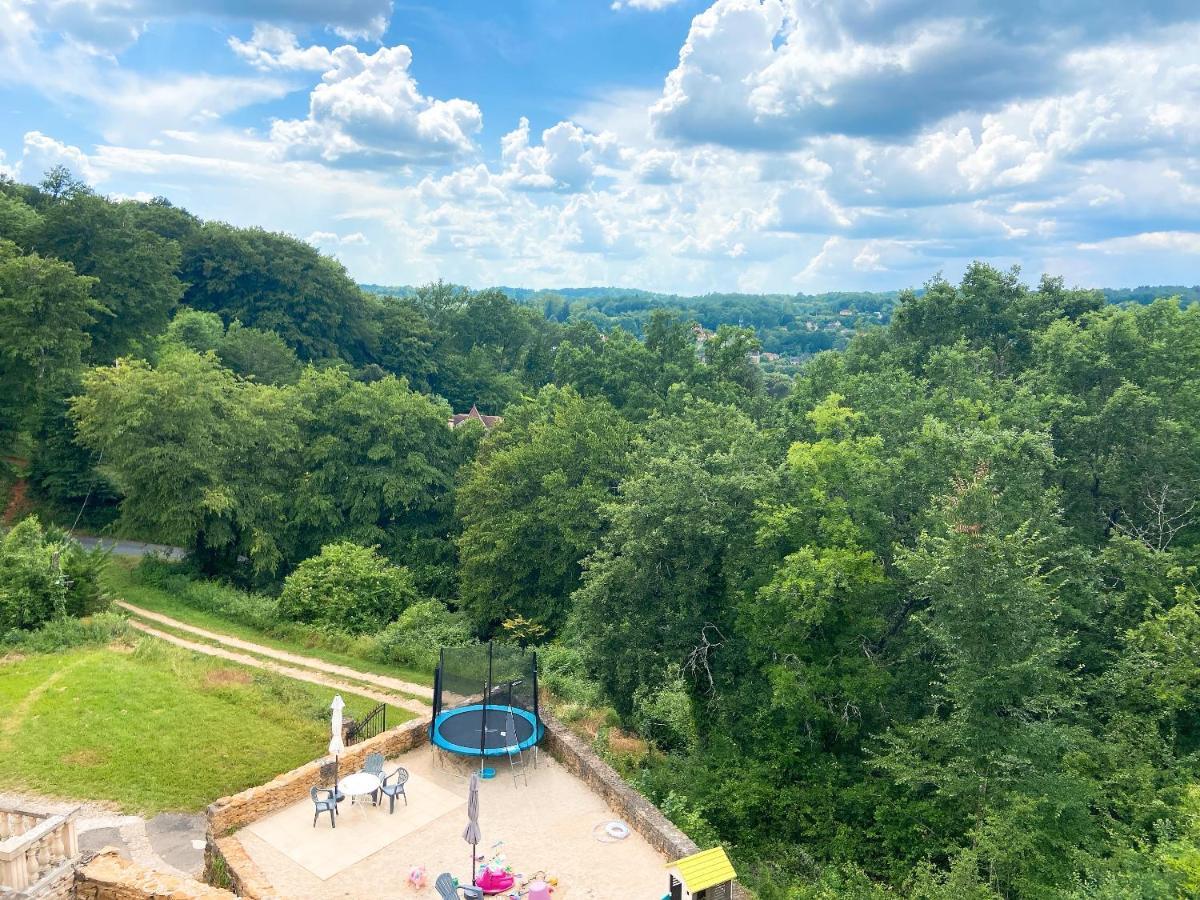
{"points": [[577, 756], [228, 814], [107, 876]]}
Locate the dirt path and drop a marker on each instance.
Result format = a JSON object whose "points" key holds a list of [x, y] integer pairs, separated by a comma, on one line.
{"points": [[383, 681], [311, 677]]}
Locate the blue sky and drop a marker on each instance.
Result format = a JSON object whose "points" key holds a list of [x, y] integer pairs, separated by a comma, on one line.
{"points": [[676, 145]]}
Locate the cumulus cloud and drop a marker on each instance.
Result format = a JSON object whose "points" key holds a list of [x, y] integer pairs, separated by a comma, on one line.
{"points": [[368, 112], [767, 73], [271, 47], [41, 153], [566, 160]]}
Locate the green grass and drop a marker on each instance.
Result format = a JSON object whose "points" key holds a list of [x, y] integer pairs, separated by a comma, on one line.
{"points": [[155, 728], [121, 583]]}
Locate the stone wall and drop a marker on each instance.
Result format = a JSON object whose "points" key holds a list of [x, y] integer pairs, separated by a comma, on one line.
{"points": [[228, 814], [107, 876], [577, 756]]}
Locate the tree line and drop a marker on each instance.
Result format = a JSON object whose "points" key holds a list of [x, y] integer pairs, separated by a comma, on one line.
{"points": [[922, 621]]}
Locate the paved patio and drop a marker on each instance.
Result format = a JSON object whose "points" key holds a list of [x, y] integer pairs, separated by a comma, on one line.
{"points": [[551, 825]]}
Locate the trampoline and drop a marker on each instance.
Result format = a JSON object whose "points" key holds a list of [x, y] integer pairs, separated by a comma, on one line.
{"points": [[485, 701]]}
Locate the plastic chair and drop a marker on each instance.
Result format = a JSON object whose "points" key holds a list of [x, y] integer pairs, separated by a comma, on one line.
{"points": [[447, 891], [392, 786], [323, 804], [329, 777], [374, 765]]}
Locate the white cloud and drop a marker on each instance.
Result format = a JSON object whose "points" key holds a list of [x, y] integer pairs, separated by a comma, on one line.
{"points": [[41, 153], [566, 160], [650, 5], [1187, 242], [271, 47], [368, 111], [333, 239]]}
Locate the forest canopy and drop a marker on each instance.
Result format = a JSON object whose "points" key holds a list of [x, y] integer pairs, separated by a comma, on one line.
{"points": [[919, 618]]}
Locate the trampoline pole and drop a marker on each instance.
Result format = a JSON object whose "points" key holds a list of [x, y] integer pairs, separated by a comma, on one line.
{"points": [[486, 697]]}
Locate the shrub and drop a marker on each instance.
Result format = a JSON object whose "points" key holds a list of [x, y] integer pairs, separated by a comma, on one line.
{"points": [[43, 577], [414, 639], [347, 588], [562, 671], [664, 713], [255, 610], [65, 633]]}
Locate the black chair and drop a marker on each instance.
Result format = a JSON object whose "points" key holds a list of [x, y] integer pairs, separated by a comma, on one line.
{"points": [[323, 804], [392, 786]]}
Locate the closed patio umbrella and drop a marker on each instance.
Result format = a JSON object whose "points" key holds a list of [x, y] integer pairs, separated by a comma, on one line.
{"points": [[471, 832], [336, 746]]}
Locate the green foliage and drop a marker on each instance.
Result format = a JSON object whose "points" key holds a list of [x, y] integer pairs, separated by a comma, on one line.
{"points": [[531, 506], [664, 713], [45, 577], [57, 635], [135, 269], [415, 638], [276, 283], [347, 588], [46, 310]]}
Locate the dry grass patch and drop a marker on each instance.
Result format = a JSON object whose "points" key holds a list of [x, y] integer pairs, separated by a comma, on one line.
{"points": [[225, 677], [84, 758]]}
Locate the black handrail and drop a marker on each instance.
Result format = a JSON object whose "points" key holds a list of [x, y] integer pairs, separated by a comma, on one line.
{"points": [[374, 723]]}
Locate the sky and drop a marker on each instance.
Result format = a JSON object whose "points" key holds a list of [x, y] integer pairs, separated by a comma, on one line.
{"points": [[672, 145]]}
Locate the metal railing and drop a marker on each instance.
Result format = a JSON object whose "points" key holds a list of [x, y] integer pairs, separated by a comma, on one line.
{"points": [[374, 723]]}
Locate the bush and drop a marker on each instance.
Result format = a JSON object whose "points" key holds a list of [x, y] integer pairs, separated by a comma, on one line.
{"points": [[664, 713], [65, 633], [414, 639], [43, 577], [347, 588], [255, 610], [561, 670]]}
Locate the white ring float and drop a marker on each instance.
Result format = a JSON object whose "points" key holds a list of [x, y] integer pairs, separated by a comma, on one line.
{"points": [[618, 830]]}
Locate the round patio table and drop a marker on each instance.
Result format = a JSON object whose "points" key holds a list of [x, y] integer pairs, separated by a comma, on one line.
{"points": [[359, 784]]}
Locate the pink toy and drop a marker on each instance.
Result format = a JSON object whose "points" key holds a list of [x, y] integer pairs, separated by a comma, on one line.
{"points": [[416, 878], [539, 890], [494, 880]]}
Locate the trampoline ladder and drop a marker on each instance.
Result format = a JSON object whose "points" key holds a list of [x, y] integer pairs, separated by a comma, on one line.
{"points": [[516, 759]]}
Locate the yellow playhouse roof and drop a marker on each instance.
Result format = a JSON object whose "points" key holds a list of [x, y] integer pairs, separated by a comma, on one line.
{"points": [[705, 869]]}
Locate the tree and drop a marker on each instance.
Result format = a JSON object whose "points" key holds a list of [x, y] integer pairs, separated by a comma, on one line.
{"points": [[201, 457], [531, 506], [276, 283], [656, 591], [135, 269], [45, 313]]}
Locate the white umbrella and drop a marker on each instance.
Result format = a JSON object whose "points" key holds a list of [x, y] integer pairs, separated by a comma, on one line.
{"points": [[336, 746]]}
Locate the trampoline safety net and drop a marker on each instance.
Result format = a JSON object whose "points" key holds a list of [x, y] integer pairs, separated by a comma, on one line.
{"points": [[476, 691]]}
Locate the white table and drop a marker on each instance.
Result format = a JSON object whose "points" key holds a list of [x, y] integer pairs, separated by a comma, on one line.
{"points": [[360, 784]]}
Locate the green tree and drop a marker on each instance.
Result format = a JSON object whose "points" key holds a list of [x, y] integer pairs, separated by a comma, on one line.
{"points": [[135, 269], [531, 506], [201, 457], [45, 313], [276, 283]]}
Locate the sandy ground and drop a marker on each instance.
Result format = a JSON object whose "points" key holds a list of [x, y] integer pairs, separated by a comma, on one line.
{"points": [[548, 825]]}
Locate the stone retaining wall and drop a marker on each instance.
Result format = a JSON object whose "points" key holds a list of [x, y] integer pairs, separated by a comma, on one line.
{"points": [[107, 876], [577, 756], [228, 814]]}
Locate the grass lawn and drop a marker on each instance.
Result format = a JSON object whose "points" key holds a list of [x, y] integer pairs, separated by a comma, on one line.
{"points": [[119, 581], [155, 728]]}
